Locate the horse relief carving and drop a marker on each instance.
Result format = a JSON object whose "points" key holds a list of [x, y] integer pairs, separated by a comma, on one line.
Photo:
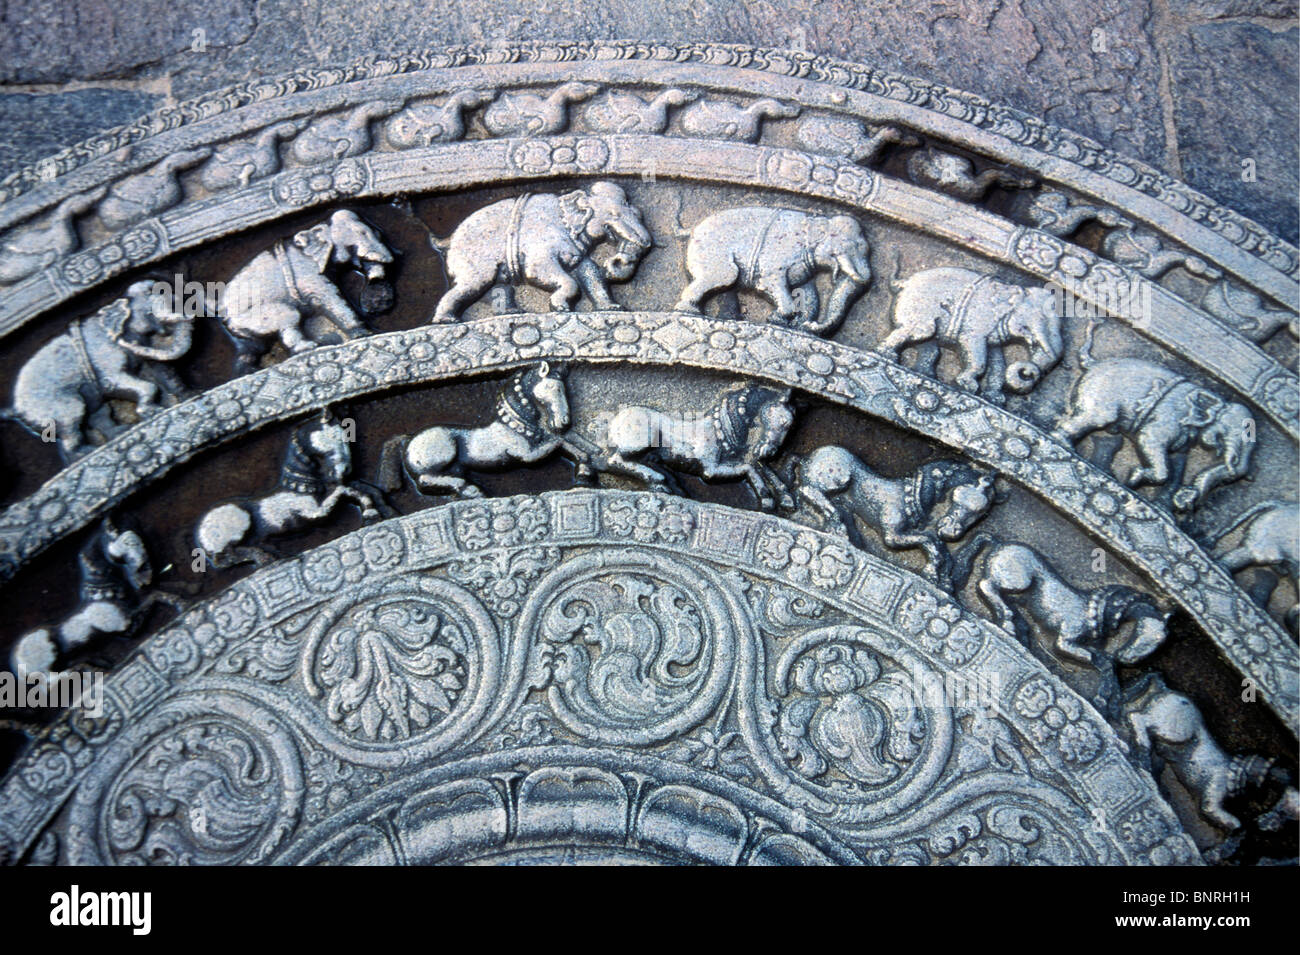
{"points": [[904, 511], [313, 482], [544, 240], [29, 248], [735, 440], [1163, 413], [716, 119], [331, 138], [1270, 538], [423, 124], [836, 136], [955, 175], [239, 163], [778, 253], [527, 114], [619, 112], [115, 353], [978, 316], [147, 193], [286, 292], [115, 572], [532, 423], [1168, 729]]}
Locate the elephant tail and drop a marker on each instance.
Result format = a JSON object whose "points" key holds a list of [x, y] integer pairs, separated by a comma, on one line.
{"points": [[1085, 350], [1247, 515], [894, 284], [391, 467]]}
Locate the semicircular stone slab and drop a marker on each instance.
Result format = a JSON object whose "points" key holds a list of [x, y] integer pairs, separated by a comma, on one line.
{"points": [[616, 674]]}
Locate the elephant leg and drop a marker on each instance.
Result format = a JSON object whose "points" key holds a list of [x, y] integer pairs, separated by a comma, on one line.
{"points": [[1216, 791], [593, 283], [460, 296], [294, 340], [565, 289], [698, 288], [1153, 451], [974, 354], [502, 298], [897, 340], [144, 392], [332, 305], [776, 288]]}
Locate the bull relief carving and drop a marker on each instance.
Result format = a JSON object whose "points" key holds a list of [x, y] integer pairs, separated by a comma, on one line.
{"points": [[731, 631]]}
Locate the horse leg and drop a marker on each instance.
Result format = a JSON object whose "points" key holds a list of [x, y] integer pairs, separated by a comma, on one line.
{"points": [[620, 464], [780, 490], [1002, 612], [939, 560]]}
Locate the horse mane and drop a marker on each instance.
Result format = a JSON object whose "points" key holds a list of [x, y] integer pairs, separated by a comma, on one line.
{"points": [[741, 407], [934, 479], [300, 471], [516, 397], [1110, 606]]}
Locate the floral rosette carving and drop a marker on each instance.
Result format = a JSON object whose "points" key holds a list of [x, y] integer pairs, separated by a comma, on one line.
{"points": [[392, 667], [503, 524], [805, 559], [939, 628], [648, 519], [502, 578], [1058, 717], [563, 154]]}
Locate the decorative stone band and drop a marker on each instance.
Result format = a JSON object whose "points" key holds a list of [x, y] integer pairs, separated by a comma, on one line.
{"points": [[1235, 360], [272, 669], [1145, 535], [1057, 155]]}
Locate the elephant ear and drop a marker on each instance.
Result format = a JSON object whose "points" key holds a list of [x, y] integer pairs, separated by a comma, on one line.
{"points": [[316, 245], [1202, 408]]}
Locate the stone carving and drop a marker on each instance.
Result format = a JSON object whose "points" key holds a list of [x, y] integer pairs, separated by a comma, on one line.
{"points": [[847, 718], [1163, 413], [527, 114], [30, 248], [619, 112], [1054, 212], [313, 482], [716, 119], [1141, 250], [956, 175], [837, 136], [1166, 724], [735, 441], [544, 240], [150, 192], [1111, 624], [101, 357], [115, 569], [423, 124], [1270, 537], [240, 162], [843, 490], [282, 293], [532, 423], [332, 138], [978, 316], [778, 253], [1244, 311]]}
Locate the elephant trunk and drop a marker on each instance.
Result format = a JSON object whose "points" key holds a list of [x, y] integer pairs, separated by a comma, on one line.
{"points": [[177, 342], [633, 242]]}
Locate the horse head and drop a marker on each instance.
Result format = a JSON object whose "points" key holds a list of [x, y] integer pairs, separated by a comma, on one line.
{"points": [[126, 552], [973, 494], [320, 452], [756, 419], [543, 387]]}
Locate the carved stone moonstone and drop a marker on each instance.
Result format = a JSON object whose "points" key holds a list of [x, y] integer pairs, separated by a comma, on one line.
{"points": [[646, 454]]}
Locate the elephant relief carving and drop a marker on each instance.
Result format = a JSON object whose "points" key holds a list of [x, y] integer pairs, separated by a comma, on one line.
{"points": [[337, 137], [978, 316], [544, 240], [618, 112], [286, 291], [1163, 414], [239, 163], [423, 124], [144, 194], [720, 120], [836, 136], [107, 355], [1270, 537], [778, 253], [527, 114], [955, 175], [30, 248]]}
